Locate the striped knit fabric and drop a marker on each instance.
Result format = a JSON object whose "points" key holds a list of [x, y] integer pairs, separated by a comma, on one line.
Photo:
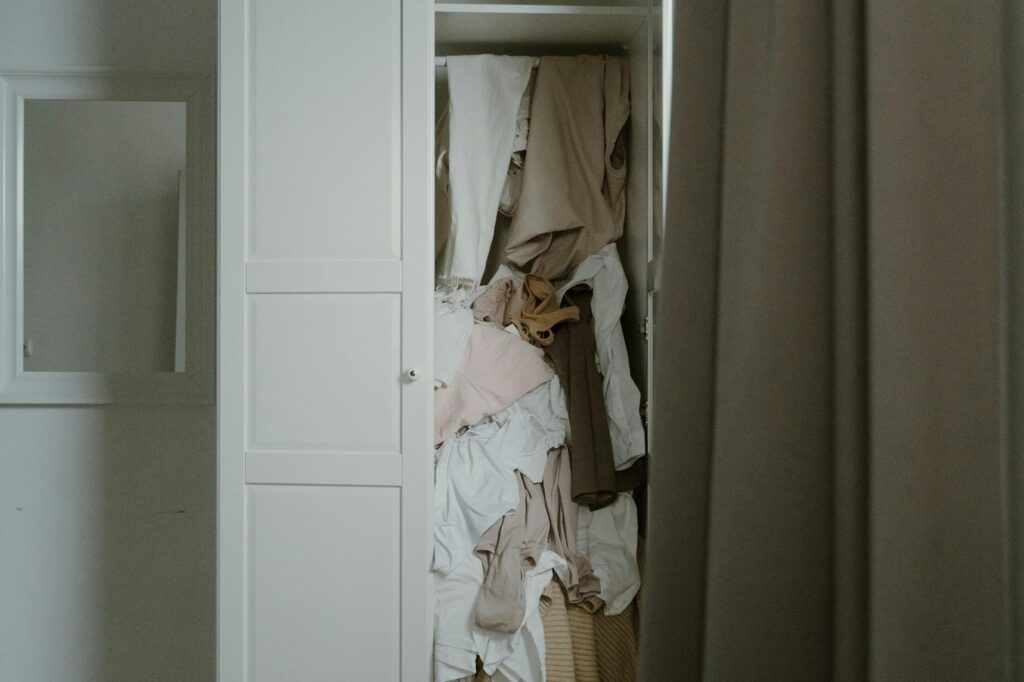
{"points": [[615, 641], [581, 646], [584, 647]]}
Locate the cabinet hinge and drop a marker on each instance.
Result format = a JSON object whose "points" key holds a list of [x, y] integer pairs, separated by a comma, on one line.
{"points": [[645, 328]]}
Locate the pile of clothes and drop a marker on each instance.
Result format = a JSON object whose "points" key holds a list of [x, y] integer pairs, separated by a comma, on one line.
{"points": [[537, 427]]}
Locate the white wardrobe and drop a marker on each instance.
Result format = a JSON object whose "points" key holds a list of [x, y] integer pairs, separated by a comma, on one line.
{"points": [[325, 300]]}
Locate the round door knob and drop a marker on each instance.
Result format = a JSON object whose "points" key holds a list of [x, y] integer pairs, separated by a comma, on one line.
{"points": [[412, 374]]}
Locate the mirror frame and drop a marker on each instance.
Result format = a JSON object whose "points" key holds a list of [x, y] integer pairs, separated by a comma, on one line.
{"points": [[196, 383]]}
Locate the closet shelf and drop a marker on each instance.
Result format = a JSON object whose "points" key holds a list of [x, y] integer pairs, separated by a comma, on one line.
{"points": [[463, 24], [538, 8]]}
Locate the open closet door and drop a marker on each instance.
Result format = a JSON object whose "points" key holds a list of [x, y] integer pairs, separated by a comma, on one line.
{"points": [[324, 308]]}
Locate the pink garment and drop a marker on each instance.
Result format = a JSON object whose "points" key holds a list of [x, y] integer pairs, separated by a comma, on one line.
{"points": [[498, 369]]}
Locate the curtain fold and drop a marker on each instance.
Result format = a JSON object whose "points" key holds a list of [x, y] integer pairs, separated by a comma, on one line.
{"points": [[685, 296], [836, 341], [849, 287], [938, 524], [1013, 59]]}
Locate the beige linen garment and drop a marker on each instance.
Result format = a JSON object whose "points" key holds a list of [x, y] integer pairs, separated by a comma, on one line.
{"points": [[573, 199], [545, 519]]}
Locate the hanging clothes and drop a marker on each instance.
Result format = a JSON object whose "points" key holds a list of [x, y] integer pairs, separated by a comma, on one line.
{"points": [[544, 519], [578, 579], [603, 273], [573, 198], [485, 94], [514, 180], [508, 550], [442, 195], [513, 186], [573, 354]]}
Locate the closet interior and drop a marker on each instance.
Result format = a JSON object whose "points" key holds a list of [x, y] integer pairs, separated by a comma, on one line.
{"points": [[541, 335]]}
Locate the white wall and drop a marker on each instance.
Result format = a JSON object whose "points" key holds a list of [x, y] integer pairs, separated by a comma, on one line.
{"points": [[129, 34], [107, 514], [106, 543], [101, 234]]}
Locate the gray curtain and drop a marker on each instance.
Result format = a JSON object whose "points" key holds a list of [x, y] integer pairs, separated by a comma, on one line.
{"points": [[836, 417]]}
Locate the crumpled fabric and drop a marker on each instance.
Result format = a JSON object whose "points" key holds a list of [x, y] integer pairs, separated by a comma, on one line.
{"points": [[485, 95], [453, 325], [513, 187], [531, 304], [511, 657], [500, 303], [496, 370], [587, 647], [508, 550], [574, 356], [475, 479], [608, 538], [544, 520], [569, 641], [545, 425], [603, 274], [573, 199]]}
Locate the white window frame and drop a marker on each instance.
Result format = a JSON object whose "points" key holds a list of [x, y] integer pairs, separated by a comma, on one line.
{"points": [[195, 384]]}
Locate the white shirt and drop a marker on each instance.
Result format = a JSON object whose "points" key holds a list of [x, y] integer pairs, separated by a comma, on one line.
{"points": [[474, 471], [608, 537]]}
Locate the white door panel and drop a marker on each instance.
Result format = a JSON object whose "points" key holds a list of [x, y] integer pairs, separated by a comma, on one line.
{"points": [[325, 303], [324, 372], [324, 572], [326, 113]]}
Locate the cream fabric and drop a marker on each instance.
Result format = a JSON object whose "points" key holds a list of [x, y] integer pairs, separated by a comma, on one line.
{"points": [[485, 93]]}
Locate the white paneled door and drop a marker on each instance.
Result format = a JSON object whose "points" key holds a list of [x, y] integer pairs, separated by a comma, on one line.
{"points": [[324, 340]]}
